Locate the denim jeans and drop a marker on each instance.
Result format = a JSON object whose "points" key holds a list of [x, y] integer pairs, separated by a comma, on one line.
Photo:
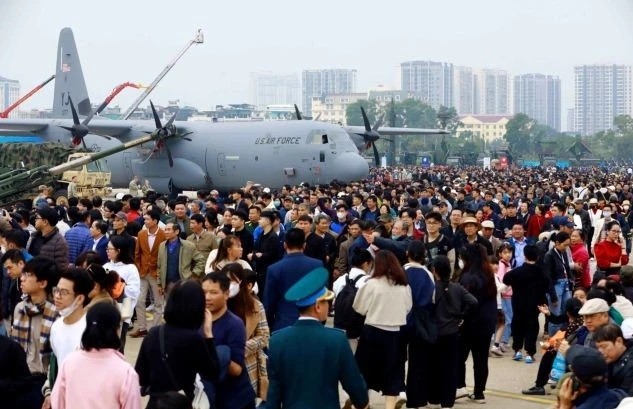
{"points": [[506, 306], [563, 293]]}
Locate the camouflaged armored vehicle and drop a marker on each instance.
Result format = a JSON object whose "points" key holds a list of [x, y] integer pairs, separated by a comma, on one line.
{"points": [[93, 178]]}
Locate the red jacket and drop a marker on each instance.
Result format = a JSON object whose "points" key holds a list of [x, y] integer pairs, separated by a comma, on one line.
{"points": [[608, 252]]}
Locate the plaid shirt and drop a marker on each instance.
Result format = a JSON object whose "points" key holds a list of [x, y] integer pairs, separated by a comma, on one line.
{"points": [[21, 330]]}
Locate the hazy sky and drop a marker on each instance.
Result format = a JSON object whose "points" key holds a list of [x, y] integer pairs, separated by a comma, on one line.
{"points": [[122, 41]]}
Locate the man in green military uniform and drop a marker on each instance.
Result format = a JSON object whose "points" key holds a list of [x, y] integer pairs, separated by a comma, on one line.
{"points": [[307, 360]]}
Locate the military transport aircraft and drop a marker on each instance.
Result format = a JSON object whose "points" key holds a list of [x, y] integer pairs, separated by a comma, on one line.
{"points": [[202, 155]]}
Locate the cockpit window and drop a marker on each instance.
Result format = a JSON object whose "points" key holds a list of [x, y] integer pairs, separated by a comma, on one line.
{"points": [[318, 137]]}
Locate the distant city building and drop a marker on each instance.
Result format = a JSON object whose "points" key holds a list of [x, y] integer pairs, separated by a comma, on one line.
{"points": [[538, 96], [488, 127], [319, 83], [491, 94], [267, 88], [463, 90], [9, 93], [333, 108], [602, 92], [385, 96], [432, 80], [571, 120]]}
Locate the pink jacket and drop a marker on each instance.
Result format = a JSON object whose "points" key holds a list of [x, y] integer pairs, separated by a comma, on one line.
{"points": [[97, 379], [503, 269]]}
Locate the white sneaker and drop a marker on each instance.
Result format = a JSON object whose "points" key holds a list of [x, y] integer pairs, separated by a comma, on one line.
{"points": [[461, 393], [495, 350]]}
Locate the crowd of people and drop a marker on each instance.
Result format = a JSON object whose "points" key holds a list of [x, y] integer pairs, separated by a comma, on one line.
{"points": [[419, 267]]}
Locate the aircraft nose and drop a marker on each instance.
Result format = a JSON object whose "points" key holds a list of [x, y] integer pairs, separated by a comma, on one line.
{"points": [[350, 167]]}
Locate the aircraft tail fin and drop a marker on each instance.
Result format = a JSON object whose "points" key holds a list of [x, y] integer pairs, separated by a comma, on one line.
{"points": [[69, 79]]}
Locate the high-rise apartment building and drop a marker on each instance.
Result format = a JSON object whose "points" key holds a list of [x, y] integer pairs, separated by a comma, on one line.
{"points": [[602, 92], [492, 90], [463, 89], [9, 93], [318, 83], [267, 88], [538, 96], [432, 80]]}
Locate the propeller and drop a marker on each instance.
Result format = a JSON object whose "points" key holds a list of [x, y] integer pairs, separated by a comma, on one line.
{"points": [[298, 113], [164, 132], [80, 129], [371, 135]]}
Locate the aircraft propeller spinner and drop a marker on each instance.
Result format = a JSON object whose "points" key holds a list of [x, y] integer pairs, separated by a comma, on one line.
{"points": [[162, 133], [79, 129], [371, 135]]}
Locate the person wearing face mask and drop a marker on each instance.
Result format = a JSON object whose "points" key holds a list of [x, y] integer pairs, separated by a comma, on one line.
{"points": [[398, 243], [251, 311], [70, 296], [600, 232], [342, 219]]}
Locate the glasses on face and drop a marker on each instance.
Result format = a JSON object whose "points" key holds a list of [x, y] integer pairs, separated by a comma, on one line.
{"points": [[61, 292], [616, 231]]}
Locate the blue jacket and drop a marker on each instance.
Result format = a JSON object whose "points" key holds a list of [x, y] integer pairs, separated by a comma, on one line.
{"points": [[422, 288], [307, 361], [102, 246], [77, 238], [279, 278]]}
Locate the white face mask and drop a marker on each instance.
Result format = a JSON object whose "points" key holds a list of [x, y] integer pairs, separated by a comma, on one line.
{"points": [[606, 213], [65, 312], [341, 215], [625, 207], [255, 289], [234, 289], [460, 263]]}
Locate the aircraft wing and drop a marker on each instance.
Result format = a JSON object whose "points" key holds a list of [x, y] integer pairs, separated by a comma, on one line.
{"points": [[20, 127], [386, 130]]}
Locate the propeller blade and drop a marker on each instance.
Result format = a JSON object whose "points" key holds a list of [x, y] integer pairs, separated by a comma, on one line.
{"points": [[156, 117], [365, 120], [316, 118], [298, 113], [171, 120], [74, 111], [169, 157], [376, 155], [83, 141]]}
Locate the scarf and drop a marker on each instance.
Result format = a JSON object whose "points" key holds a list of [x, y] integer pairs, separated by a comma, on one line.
{"points": [[21, 332]]}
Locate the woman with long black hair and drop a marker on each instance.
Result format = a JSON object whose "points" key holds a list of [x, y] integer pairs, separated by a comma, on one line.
{"points": [[385, 300], [477, 278]]}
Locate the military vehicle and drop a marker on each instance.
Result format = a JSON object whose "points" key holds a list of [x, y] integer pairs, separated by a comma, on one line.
{"points": [[18, 181]]}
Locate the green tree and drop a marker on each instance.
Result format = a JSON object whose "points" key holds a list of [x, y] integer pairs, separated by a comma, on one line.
{"points": [[353, 114], [519, 134], [623, 125], [447, 118]]}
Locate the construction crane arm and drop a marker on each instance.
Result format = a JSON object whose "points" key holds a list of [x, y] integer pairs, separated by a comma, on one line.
{"points": [[198, 39], [6, 112]]}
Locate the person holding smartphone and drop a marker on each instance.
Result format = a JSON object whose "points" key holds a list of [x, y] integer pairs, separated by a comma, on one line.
{"points": [[586, 387]]}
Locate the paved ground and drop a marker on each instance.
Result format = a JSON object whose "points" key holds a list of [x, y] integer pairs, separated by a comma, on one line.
{"points": [[507, 379]]}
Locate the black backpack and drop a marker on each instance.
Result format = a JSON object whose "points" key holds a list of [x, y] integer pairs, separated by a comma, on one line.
{"points": [[344, 315]]}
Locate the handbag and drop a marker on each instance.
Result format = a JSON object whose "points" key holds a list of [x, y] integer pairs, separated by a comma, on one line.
{"points": [[200, 398]]}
